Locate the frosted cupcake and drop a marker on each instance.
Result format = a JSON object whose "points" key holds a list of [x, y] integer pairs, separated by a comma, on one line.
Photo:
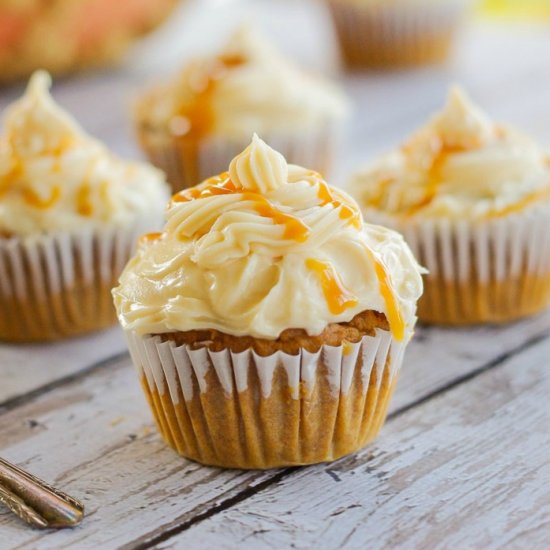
{"points": [[70, 213], [267, 321], [67, 35], [382, 33], [193, 126], [473, 200]]}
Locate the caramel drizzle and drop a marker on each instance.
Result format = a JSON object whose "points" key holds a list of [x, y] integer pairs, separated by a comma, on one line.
{"points": [[434, 177], [338, 298], [294, 228], [29, 195], [16, 171], [395, 319], [198, 111], [83, 200], [526, 201], [346, 212], [37, 201], [149, 238]]}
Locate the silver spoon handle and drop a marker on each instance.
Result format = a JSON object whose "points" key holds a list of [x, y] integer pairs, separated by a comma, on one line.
{"points": [[36, 502]]}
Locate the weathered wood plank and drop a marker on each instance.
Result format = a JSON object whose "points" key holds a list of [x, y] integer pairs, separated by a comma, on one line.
{"points": [[439, 356], [468, 469], [94, 437], [25, 368]]}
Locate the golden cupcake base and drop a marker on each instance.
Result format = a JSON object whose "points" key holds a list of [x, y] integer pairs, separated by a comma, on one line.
{"points": [[54, 286], [390, 35], [246, 430], [426, 50], [270, 404], [77, 310], [471, 302]]}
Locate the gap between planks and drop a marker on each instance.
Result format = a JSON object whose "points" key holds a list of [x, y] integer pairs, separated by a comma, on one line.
{"points": [[146, 542], [457, 360], [14, 402]]}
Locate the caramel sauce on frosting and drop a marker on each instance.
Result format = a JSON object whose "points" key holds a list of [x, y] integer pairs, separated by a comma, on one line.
{"points": [[337, 297], [246, 87], [460, 165], [265, 247], [393, 313], [195, 117], [55, 177]]}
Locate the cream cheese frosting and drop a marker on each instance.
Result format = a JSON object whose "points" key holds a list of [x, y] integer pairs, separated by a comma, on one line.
{"points": [[249, 87], [53, 177], [460, 165], [263, 248]]}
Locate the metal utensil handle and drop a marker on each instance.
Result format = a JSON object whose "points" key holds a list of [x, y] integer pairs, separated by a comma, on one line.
{"points": [[35, 501]]}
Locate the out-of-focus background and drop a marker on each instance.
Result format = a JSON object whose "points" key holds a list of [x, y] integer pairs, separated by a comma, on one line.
{"points": [[501, 56]]}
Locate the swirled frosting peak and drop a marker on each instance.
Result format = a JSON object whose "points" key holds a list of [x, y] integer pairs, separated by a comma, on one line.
{"points": [[259, 168], [462, 124], [35, 124], [460, 165], [54, 177], [263, 248]]}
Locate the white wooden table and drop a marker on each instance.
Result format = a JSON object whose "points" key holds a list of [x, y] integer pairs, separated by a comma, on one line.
{"points": [[464, 458]]}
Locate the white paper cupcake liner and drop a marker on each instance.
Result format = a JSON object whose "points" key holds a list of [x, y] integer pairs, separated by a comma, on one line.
{"points": [[56, 285], [494, 249], [242, 410], [187, 164], [493, 270], [167, 366], [402, 32]]}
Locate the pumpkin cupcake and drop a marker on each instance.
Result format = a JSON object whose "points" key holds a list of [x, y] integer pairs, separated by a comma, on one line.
{"points": [[472, 199], [70, 213], [267, 321], [193, 126], [396, 33]]}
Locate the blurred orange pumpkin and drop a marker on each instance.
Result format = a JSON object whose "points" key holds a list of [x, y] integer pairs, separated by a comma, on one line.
{"points": [[67, 35]]}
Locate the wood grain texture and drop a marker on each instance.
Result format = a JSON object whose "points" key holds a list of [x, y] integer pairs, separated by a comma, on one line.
{"points": [[94, 438], [468, 469], [25, 368]]}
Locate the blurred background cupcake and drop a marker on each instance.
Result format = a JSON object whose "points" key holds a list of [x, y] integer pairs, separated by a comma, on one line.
{"points": [[386, 33], [193, 126], [472, 198], [65, 35], [70, 215]]}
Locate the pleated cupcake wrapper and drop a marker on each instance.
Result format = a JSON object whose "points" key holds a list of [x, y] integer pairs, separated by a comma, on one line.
{"points": [[196, 396], [58, 285], [507, 256], [187, 163], [396, 32]]}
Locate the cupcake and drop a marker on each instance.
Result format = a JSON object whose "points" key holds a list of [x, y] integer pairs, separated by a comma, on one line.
{"points": [[267, 321], [473, 200], [70, 213], [382, 33], [193, 126], [67, 35]]}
